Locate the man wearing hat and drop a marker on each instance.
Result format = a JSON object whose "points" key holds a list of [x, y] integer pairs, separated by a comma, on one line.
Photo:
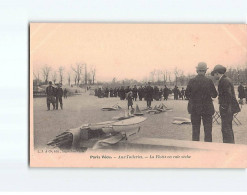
{"points": [[200, 91], [227, 101], [50, 93]]}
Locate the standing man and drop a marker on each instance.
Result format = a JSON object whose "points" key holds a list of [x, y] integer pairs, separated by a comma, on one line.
{"points": [[65, 92], [241, 93], [134, 90], [140, 93], [50, 93], [149, 95], [175, 92], [200, 91], [166, 93], [183, 93], [59, 95], [227, 101]]}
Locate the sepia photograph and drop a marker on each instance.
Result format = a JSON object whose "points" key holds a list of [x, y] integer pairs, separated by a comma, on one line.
{"points": [[138, 95]]}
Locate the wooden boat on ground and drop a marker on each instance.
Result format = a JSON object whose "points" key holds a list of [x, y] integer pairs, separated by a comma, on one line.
{"points": [[111, 108]]}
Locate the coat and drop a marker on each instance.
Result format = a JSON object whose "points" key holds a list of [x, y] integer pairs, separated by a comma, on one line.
{"points": [[200, 91], [227, 98], [149, 93], [241, 93]]}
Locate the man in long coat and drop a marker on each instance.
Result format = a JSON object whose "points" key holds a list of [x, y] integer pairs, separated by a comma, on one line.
{"points": [[134, 90], [200, 91], [59, 96], [149, 95], [227, 101], [166, 93], [50, 96], [241, 93]]}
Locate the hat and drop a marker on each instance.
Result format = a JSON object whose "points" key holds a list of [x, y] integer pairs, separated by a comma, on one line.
{"points": [[218, 69], [201, 66]]}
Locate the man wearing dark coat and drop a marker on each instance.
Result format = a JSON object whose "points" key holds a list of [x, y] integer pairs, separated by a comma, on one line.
{"points": [[134, 91], [59, 95], [50, 96], [111, 92], [175, 92], [166, 93], [227, 101], [106, 92], [149, 95], [241, 93], [122, 93], [200, 91], [140, 93], [182, 93]]}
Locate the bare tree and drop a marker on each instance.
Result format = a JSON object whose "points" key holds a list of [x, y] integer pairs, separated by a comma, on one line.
{"points": [[85, 75], [93, 72], [69, 78], [75, 79], [152, 75], [46, 71], [61, 74], [78, 71], [177, 74], [54, 77]]}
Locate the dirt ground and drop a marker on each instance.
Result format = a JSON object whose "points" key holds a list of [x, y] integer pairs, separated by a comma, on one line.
{"points": [[85, 108]]}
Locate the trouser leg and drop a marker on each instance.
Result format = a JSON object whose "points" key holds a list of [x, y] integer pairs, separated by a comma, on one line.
{"points": [[226, 128], [48, 103], [61, 102], [56, 103], [207, 123], [196, 123]]}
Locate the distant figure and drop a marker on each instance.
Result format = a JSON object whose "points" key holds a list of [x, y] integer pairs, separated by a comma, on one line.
{"points": [[156, 93], [160, 94], [59, 96], [182, 93], [166, 93], [176, 92], [111, 92], [241, 92], [106, 92], [134, 90], [50, 93], [115, 92], [121, 93], [140, 93], [200, 91], [149, 95], [99, 92], [129, 97], [65, 93]]}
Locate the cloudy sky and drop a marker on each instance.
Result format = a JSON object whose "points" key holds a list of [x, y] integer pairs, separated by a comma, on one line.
{"points": [[134, 50]]}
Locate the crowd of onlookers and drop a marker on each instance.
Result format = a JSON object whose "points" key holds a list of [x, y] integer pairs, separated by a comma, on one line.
{"points": [[141, 92]]}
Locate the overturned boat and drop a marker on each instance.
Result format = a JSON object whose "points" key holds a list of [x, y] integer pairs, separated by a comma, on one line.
{"points": [[98, 134]]}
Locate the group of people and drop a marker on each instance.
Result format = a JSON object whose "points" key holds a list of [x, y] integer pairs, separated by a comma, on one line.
{"points": [[54, 96], [200, 91], [140, 92]]}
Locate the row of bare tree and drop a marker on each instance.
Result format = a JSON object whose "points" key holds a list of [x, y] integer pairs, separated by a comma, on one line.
{"points": [[79, 73]]}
